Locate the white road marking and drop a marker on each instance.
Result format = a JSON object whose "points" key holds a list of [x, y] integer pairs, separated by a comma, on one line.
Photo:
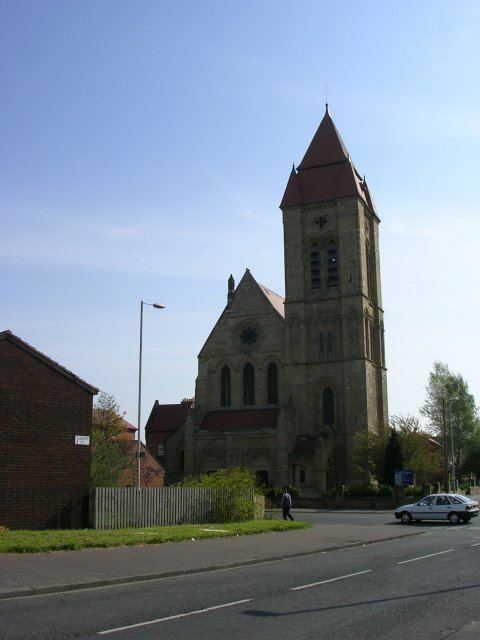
{"points": [[475, 545], [427, 556], [175, 617], [314, 584]]}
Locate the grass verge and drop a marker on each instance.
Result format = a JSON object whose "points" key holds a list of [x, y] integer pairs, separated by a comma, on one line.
{"points": [[23, 541]]}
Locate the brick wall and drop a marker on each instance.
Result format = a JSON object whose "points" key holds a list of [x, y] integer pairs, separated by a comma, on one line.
{"points": [[44, 476]]}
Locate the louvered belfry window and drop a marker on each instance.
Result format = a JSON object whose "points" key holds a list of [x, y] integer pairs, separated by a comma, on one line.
{"points": [[332, 264], [314, 266]]}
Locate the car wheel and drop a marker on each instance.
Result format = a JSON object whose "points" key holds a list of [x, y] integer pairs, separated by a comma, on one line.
{"points": [[453, 518], [405, 517]]}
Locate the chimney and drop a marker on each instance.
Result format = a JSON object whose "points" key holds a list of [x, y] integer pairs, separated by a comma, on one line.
{"points": [[231, 290]]}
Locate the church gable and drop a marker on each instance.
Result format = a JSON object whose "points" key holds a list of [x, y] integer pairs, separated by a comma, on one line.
{"points": [[252, 321]]}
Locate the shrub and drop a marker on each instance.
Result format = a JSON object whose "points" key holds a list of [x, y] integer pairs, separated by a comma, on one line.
{"points": [[363, 490], [415, 491], [385, 491], [235, 479]]}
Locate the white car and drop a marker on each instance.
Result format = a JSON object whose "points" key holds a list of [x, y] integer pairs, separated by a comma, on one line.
{"points": [[439, 506]]}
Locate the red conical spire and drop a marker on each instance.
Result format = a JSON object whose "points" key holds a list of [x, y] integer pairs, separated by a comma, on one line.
{"points": [[292, 195], [327, 146], [326, 172]]}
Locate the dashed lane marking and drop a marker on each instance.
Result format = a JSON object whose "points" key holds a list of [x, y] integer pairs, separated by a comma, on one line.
{"points": [[427, 556], [315, 584], [475, 545], [175, 617]]}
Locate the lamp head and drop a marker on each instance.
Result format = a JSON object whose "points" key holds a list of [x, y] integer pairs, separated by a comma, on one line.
{"points": [[158, 306]]}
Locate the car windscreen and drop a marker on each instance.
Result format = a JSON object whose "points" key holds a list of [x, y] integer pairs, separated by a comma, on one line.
{"points": [[461, 498]]}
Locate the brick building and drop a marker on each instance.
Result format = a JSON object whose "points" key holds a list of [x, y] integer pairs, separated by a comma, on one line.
{"points": [[164, 436], [44, 474], [152, 473], [285, 384]]}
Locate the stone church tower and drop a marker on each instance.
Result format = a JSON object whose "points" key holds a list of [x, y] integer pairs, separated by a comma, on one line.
{"points": [[335, 356], [284, 385]]}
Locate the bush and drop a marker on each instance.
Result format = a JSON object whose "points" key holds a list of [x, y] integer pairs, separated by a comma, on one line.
{"points": [[235, 479], [385, 491], [361, 491], [232, 503], [241, 509], [414, 492]]}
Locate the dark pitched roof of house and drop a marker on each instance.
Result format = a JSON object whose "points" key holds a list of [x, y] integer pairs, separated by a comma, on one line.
{"points": [[242, 419], [11, 337], [326, 172], [168, 417]]}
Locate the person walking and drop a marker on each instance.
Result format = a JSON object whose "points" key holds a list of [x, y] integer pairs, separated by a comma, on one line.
{"points": [[286, 504]]}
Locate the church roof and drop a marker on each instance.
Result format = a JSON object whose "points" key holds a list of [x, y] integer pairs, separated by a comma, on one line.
{"points": [[168, 417], [326, 172], [277, 301], [326, 147], [229, 420]]}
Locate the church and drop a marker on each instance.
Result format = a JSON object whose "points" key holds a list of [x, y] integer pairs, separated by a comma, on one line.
{"points": [[285, 384]]}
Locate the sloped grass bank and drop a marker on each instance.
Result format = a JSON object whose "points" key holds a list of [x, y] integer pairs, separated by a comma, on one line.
{"points": [[23, 541]]}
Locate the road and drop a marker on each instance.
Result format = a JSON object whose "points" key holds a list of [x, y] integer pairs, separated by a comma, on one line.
{"points": [[424, 587]]}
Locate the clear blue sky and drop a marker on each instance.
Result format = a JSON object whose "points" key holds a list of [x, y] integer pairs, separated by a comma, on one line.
{"points": [[146, 146]]}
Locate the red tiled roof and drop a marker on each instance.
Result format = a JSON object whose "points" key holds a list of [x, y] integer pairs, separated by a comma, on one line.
{"points": [[168, 417], [326, 172], [242, 419], [326, 147], [11, 337]]}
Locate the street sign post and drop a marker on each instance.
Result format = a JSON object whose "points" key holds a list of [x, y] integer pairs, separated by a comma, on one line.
{"points": [[404, 477]]}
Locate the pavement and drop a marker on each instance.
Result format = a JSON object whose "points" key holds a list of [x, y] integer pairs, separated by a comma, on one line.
{"points": [[31, 574]]}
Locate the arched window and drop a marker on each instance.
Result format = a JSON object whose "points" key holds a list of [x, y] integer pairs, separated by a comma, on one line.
{"points": [[321, 345], [369, 267], [225, 387], [272, 383], [332, 264], [330, 343], [328, 405], [367, 338], [248, 385], [314, 266]]}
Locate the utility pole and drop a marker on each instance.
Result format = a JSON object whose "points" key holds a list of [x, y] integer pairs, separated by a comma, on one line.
{"points": [[445, 448]]}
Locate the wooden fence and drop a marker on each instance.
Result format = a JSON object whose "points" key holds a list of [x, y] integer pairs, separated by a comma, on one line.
{"points": [[120, 507]]}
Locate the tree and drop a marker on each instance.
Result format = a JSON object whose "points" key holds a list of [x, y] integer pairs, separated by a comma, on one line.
{"points": [[419, 452], [393, 458], [471, 462], [442, 386], [369, 453], [110, 448]]}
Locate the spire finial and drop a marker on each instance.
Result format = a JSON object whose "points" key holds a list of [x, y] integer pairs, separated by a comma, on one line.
{"points": [[326, 109], [326, 98], [293, 168]]}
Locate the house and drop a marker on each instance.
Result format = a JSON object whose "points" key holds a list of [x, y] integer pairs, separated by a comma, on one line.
{"points": [[45, 428], [164, 436], [152, 473]]}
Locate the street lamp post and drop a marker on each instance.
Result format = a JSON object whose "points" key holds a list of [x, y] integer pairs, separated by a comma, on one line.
{"points": [[139, 442], [450, 400]]}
